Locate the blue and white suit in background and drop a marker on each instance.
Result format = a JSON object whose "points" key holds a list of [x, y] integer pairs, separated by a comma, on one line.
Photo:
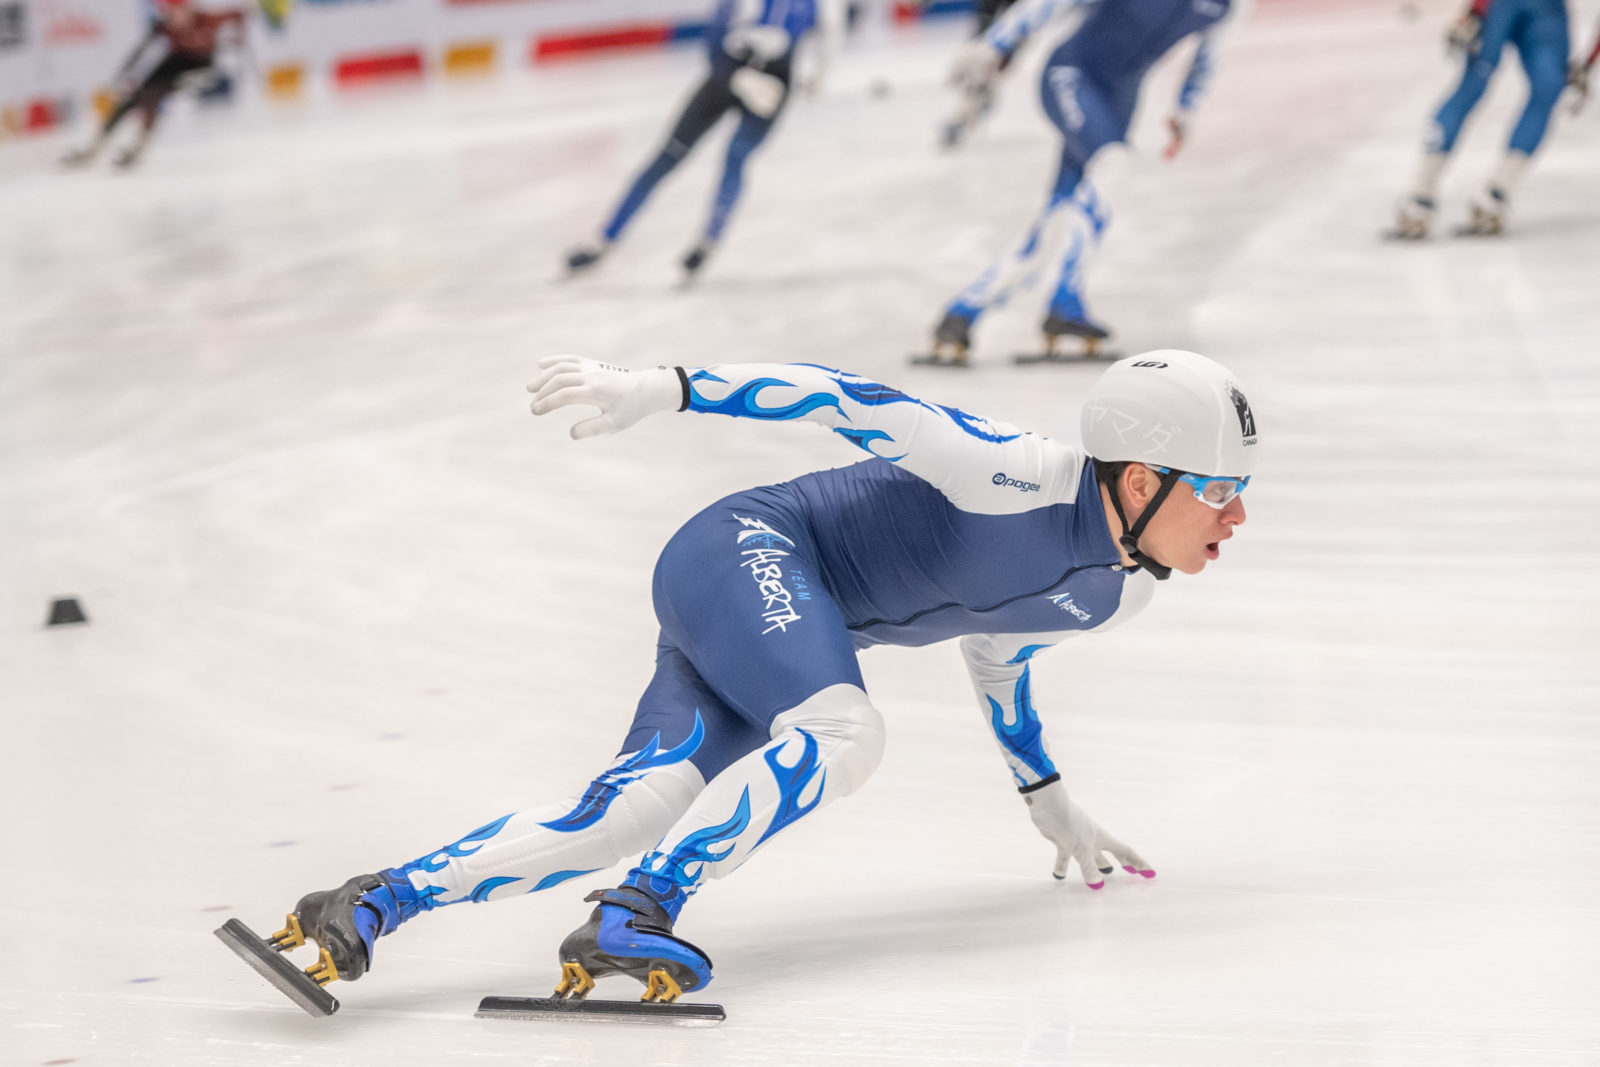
{"points": [[955, 527], [752, 47], [1089, 89]]}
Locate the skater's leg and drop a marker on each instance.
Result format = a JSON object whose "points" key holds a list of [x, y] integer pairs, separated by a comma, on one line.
{"points": [[704, 108], [682, 734], [752, 131], [1542, 44], [1541, 40], [1477, 69], [728, 591], [143, 97]]}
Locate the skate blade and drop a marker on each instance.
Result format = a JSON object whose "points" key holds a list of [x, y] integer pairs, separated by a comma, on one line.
{"points": [[1402, 236], [1098, 355], [1473, 231], [270, 964], [628, 1011], [935, 359]]}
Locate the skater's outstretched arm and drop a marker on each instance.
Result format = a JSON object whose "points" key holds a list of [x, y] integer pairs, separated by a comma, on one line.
{"points": [[1020, 21], [981, 466], [999, 666], [1198, 79], [824, 47]]}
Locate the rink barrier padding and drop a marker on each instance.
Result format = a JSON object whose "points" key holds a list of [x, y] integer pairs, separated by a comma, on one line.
{"points": [[637, 35], [382, 66], [286, 79], [470, 57]]}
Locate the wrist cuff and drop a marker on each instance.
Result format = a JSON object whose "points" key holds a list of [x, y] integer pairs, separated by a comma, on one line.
{"points": [[1040, 784], [683, 383]]}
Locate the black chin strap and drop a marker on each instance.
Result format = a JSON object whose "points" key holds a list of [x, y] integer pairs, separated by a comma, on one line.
{"points": [[1130, 535]]}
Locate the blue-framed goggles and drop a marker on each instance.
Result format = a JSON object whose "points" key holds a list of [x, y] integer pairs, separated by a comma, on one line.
{"points": [[1211, 491]]}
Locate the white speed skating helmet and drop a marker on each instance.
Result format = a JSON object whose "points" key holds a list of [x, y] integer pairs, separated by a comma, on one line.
{"points": [[1171, 408]]}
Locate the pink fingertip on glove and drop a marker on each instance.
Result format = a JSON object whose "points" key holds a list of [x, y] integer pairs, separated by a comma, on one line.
{"points": [[1097, 885], [1141, 874]]}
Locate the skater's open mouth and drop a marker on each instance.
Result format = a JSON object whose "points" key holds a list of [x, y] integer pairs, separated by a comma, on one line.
{"points": [[1213, 550]]}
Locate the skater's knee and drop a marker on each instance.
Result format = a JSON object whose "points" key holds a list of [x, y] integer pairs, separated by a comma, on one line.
{"points": [[848, 732]]}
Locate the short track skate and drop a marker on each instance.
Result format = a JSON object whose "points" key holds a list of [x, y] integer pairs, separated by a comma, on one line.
{"points": [[629, 933], [570, 1001], [952, 341], [943, 354], [1085, 345], [266, 956]]}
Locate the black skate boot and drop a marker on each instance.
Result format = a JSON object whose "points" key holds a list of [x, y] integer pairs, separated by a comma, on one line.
{"points": [[630, 933], [583, 257], [1061, 324], [347, 920], [344, 922], [952, 340], [696, 258]]}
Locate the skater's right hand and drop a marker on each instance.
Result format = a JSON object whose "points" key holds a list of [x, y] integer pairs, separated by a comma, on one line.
{"points": [[1465, 34], [1578, 82], [1078, 837], [623, 396]]}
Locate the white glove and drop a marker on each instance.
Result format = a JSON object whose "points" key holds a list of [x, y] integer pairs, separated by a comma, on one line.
{"points": [[975, 67], [623, 396], [1078, 837]]}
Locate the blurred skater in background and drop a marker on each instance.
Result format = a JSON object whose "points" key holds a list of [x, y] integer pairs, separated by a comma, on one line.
{"points": [[1090, 88], [1538, 29], [753, 45], [191, 38]]}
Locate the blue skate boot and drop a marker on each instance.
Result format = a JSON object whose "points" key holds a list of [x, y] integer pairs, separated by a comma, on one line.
{"points": [[630, 932], [345, 921]]}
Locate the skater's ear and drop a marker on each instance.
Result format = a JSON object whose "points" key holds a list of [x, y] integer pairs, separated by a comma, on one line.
{"points": [[1138, 485]]}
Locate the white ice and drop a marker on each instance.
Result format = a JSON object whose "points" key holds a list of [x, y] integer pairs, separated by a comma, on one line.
{"points": [[261, 410]]}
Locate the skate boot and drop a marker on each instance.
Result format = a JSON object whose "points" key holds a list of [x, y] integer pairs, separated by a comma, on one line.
{"points": [[1413, 219], [347, 920], [695, 258], [583, 257], [630, 933], [952, 340], [79, 157], [1488, 215], [1069, 322], [128, 157]]}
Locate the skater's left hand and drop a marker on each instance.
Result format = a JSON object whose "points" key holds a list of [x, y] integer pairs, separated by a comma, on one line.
{"points": [[1175, 133], [623, 396], [1078, 837], [976, 66]]}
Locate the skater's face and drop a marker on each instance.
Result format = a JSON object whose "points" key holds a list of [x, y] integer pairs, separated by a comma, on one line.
{"points": [[1185, 533]]}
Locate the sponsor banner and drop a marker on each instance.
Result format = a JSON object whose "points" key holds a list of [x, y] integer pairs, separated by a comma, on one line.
{"points": [[645, 35], [13, 25]]}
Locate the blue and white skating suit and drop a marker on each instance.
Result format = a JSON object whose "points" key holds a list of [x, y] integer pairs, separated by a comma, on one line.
{"points": [[1538, 29], [957, 527], [1089, 89], [752, 46], [759, 33]]}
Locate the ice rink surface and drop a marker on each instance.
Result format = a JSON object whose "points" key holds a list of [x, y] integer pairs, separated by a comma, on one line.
{"points": [[261, 409]]}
